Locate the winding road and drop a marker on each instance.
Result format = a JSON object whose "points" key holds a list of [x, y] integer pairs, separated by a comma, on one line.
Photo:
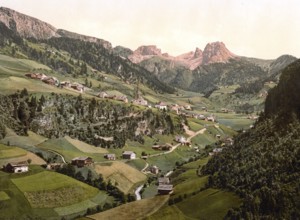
{"points": [[62, 157], [191, 133], [137, 192]]}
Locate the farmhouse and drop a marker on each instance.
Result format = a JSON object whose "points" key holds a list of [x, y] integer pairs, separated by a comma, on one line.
{"points": [[162, 147], [50, 81], [140, 101], [154, 169], [82, 161], [163, 180], [211, 118], [165, 189], [39, 76], [180, 139], [201, 117], [122, 98], [188, 107], [78, 87], [110, 156], [228, 141], [129, 155], [20, 167], [103, 94], [54, 166], [161, 106]]}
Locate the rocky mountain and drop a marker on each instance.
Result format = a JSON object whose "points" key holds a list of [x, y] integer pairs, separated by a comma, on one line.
{"points": [[29, 27], [215, 52]]}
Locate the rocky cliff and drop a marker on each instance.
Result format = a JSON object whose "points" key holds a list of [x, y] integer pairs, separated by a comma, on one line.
{"points": [[29, 27]]}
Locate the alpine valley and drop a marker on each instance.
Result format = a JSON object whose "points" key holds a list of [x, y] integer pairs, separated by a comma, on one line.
{"points": [[92, 131]]}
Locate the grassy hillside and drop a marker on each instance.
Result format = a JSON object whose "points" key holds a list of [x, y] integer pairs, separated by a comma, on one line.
{"points": [[70, 148], [134, 210], [125, 177], [38, 193], [10, 151], [206, 204]]}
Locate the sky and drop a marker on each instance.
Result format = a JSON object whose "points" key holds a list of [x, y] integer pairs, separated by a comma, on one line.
{"points": [[258, 28]]}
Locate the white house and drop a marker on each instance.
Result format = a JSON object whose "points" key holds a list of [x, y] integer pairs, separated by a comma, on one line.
{"points": [[103, 94], [161, 106], [129, 155], [180, 139], [211, 118]]}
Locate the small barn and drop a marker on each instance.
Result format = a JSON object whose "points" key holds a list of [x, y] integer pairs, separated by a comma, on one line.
{"points": [[165, 189], [110, 156], [82, 161], [154, 169], [129, 155]]}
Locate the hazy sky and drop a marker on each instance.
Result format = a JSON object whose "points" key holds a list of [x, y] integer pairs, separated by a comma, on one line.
{"points": [[254, 28]]}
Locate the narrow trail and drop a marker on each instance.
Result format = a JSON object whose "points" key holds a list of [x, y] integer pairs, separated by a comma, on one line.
{"points": [[62, 157], [192, 134], [137, 192]]}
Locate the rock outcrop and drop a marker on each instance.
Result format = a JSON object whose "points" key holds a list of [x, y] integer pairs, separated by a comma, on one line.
{"points": [[29, 27]]}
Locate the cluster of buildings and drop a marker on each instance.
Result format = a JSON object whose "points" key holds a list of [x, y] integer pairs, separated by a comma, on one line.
{"points": [[105, 95], [53, 81], [227, 142], [162, 147], [182, 140]]}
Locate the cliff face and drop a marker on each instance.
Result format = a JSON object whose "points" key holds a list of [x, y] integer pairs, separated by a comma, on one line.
{"points": [[216, 53], [27, 27]]}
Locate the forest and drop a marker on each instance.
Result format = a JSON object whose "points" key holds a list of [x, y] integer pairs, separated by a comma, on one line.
{"points": [[98, 122], [263, 165]]}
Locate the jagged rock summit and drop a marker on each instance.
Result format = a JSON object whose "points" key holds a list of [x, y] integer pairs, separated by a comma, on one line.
{"points": [[215, 52]]}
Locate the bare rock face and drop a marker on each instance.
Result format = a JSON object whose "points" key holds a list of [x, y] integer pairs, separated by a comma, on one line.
{"points": [[213, 53], [26, 26], [216, 53], [191, 59], [145, 52]]}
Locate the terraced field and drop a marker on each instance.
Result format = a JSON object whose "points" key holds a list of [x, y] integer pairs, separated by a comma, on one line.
{"points": [[124, 176], [70, 149], [11, 154], [134, 210]]}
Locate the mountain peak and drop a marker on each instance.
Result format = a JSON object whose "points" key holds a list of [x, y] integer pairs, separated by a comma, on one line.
{"points": [[145, 52], [148, 50], [216, 52]]}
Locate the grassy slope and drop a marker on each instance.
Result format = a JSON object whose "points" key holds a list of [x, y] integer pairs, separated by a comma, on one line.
{"points": [[20, 141], [64, 147], [207, 204], [84, 147], [10, 151], [17, 207], [134, 210], [126, 177], [10, 154]]}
